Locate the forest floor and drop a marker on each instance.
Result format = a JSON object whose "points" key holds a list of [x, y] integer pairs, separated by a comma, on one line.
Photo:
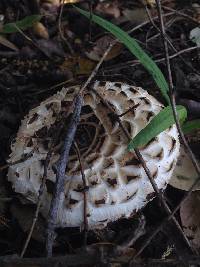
{"points": [[62, 49]]}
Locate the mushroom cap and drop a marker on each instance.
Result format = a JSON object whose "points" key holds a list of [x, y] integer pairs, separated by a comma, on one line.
{"points": [[118, 185]]}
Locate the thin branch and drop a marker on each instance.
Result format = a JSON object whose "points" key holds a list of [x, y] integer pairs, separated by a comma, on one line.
{"points": [[133, 63], [41, 190], [31, 41], [177, 12], [130, 109], [178, 127], [92, 259], [172, 12], [167, 39], [85, 189], [173, 102], [65, 155], [60, 29], [147, 22], [94, 72], [148, 173], [23, 158], [133, 237], [60, 175]]}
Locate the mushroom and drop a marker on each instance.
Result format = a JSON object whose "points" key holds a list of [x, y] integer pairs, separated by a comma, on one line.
{"points": [[117, 183]]}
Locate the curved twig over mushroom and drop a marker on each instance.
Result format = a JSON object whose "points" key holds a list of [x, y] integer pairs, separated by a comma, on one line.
{"points": [[118, 185]]}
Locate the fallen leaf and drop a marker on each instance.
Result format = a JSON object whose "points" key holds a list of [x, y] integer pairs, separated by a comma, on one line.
{"points": [[52, 2], [5, 42], [151, 2], [137, 15], [50, 47], [72, 1], [111, 9], [85, 66], [189, 213], [40, 30], [196, 11], [78, 65], [100, 47], [184, 174]]}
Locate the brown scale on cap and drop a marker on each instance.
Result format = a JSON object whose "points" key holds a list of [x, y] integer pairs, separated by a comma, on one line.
{"points": [[117, 183]]}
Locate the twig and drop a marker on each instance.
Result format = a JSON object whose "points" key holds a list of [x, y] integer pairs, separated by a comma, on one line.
{"points": [[55, 139], [148, 173], [31, 41], [52, 87], [91, 259], [60, 29], [182, 14], [168, 39], [133, 237], [178, 127], [41, 190], [90, 20], [23, 158], [94, 72], [173, 102], [147, 22], [85, 189], [172, 12], [60, 175], [130, 109], [133, 63]]}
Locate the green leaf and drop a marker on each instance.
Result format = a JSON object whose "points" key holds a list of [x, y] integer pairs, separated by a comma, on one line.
{"points": [[23, 24], [190, 126], [135, 49], [163, 120]]}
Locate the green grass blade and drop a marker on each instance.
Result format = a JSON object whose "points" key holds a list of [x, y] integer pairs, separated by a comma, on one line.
{"points": [[163, 120], [23, 24], [135, 49], [190, 126]]}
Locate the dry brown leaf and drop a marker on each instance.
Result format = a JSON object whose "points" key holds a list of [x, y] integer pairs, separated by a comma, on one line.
{"points": [[40, 30], [189, 212], [111, 9], [196, 8], [100, 47], [71, 1], [169, 3], [59, 2], [7, 43], [137, 15], [184, 174], [77, 65], [53, 2], [151, 2]]}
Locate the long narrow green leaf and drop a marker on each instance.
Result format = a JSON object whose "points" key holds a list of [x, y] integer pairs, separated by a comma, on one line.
{"points": [[159, 123], [23, 24], [135, 49], [190, 126]]}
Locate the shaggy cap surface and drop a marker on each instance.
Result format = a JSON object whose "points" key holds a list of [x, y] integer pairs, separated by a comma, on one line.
{"points": [[118, 185]]}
